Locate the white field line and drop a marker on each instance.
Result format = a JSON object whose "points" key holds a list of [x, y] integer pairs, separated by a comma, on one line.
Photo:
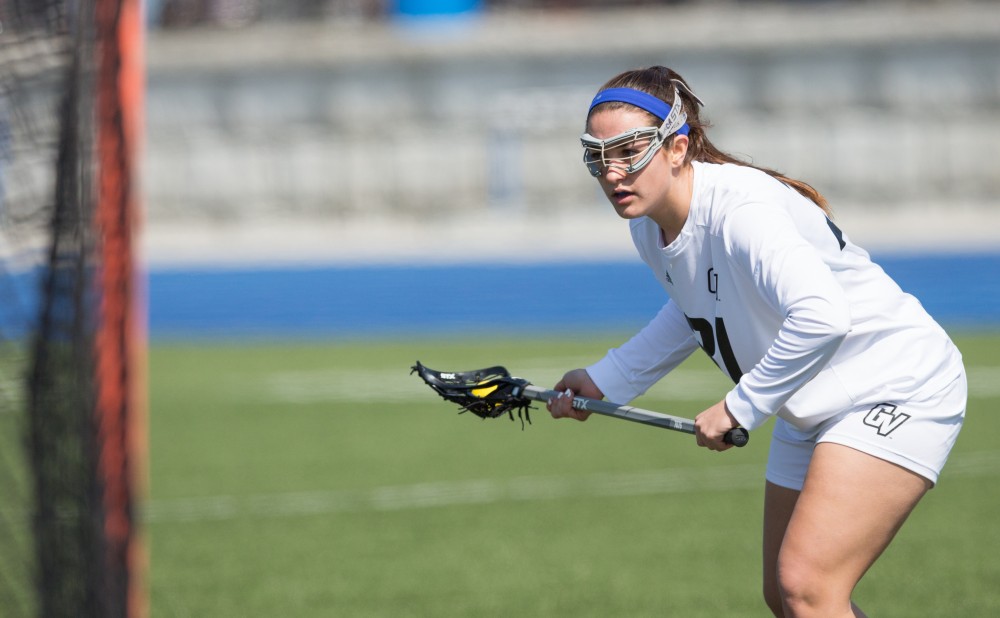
{"points": [[353, 386], [451, 493], [984, 381], [490, 491]]}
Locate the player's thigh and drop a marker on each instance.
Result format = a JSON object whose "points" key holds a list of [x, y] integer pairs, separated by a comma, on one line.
{"points": [[850, 508]]}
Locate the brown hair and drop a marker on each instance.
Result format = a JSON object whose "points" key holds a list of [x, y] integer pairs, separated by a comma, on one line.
{"points": [[659, 82]]}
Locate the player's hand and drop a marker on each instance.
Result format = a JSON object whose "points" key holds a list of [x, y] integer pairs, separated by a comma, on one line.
{"points": [[710, 427], [575, 382]]}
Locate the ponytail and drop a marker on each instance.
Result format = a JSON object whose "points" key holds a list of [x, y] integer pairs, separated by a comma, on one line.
{"points": [[701, 149]]}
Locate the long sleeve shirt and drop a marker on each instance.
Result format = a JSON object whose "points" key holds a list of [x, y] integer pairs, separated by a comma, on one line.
{"points": [[778, 296]]}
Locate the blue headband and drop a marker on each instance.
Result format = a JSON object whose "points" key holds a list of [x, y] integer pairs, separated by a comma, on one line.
{"points": [[640, 99]]}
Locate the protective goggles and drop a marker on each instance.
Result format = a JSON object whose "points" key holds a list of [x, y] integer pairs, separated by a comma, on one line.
{"points": [[634, 149]]}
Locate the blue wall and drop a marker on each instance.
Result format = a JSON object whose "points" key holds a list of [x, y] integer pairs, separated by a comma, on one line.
{"points": [[961, 291]]}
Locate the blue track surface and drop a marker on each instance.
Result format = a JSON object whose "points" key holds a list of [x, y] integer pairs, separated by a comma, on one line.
{"points": [[961, 291]]}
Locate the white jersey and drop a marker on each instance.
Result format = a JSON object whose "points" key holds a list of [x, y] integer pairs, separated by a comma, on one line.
{"points": [[798, 316]]}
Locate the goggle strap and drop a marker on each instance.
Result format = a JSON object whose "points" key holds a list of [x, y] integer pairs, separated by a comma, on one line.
{"points": [[679, 85], [674, 122]]}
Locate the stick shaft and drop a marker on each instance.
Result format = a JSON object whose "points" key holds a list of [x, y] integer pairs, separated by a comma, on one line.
{"points": [[737, 436], [629, 413]]}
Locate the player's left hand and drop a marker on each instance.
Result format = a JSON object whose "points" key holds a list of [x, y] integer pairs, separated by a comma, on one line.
{"points": [[710, 427]]}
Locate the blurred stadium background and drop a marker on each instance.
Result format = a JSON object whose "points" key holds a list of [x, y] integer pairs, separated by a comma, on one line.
{"points": [[352, 131], [317, 174], [421, 133]]}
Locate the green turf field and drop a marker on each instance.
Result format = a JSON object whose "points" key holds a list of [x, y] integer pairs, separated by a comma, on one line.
{"points": [[323, 480]]}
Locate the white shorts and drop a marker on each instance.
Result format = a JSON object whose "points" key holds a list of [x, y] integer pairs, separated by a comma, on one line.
{"points": [[916, 435]]}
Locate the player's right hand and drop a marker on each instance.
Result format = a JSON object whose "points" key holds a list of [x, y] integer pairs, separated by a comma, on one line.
{"points": [[575, 382]]}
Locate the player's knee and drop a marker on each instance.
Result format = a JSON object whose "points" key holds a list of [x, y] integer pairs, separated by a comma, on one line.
{"points": [[772, 596], [802, 591]]}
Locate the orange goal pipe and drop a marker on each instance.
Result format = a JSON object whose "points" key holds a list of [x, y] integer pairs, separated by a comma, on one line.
{"points": [[120, 340]]}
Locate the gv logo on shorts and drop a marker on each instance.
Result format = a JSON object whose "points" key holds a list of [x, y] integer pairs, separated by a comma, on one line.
{"points": [[885, 418]]}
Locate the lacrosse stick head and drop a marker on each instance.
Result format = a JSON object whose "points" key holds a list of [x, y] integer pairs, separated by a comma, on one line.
{"points": [[487, 393]]}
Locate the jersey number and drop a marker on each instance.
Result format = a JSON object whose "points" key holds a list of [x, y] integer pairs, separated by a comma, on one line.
{"points": [[710, 338]]}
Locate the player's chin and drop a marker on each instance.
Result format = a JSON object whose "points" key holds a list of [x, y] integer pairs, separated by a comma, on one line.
{"points": [[630, 208]]}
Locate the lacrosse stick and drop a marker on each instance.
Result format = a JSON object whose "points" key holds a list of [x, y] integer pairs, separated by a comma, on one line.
{"points": [[493, 392]]}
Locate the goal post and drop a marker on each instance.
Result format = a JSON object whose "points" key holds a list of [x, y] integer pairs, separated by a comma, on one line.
{"points": [[71, 101]]}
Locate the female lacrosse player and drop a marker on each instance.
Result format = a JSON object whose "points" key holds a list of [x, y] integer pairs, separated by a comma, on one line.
{"points": [[868, 392]]}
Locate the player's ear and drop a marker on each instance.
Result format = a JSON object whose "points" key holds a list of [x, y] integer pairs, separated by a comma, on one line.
{"points": [[677, 150]]}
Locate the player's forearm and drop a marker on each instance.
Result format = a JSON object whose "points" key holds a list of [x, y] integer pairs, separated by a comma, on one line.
{"points": [[631, 369]]}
